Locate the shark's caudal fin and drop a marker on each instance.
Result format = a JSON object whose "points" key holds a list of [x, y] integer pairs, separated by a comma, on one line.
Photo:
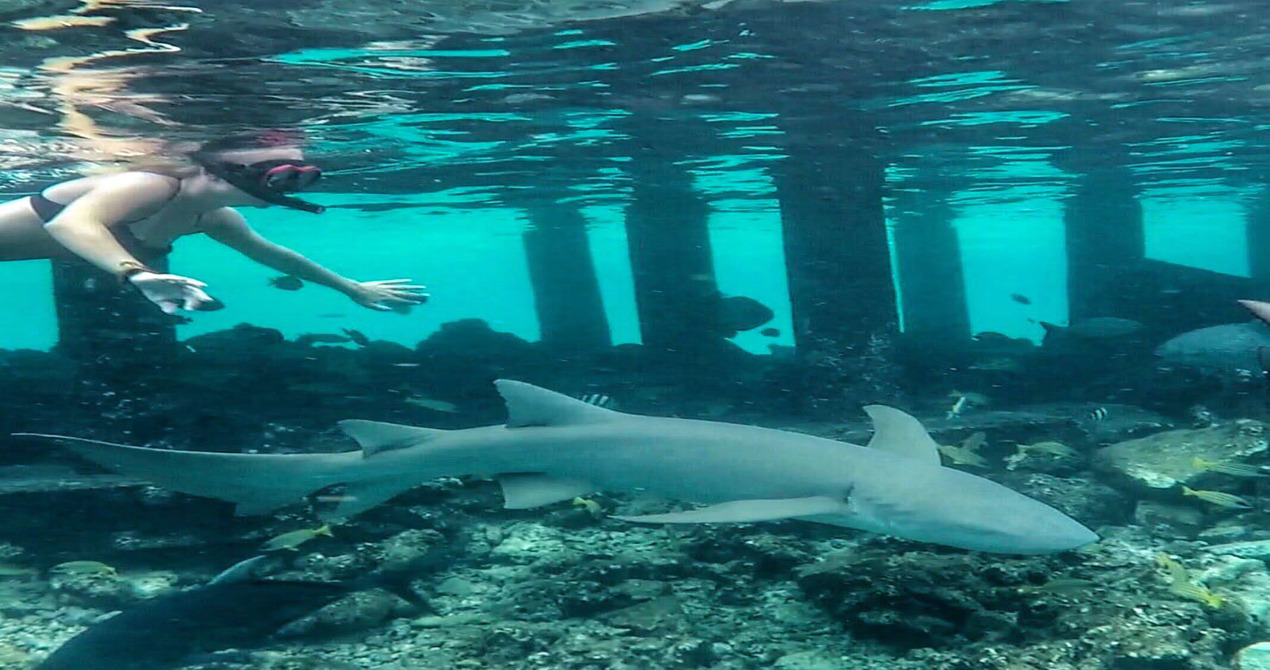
{"points": [[901, 433], [258, 483], [529, 405]]}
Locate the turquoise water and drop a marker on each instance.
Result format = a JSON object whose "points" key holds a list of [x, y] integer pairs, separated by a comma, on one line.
{"points": [[473, 263], [834, 237]]}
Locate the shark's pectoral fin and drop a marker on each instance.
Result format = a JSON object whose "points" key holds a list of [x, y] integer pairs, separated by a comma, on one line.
{"points": [[363, 495], [529, 405], [532, 489], [377, 436], [743, 511], [901, 433]]}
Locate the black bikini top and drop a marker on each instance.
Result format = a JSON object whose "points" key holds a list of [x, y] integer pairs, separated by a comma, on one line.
{"points": [[48, 209]]}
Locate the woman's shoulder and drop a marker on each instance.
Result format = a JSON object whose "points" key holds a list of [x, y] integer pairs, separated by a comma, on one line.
{"points": [[135, 179], [140, 183]]}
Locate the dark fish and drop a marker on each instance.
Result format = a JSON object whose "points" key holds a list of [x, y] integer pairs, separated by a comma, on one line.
{"points": [[287, 283], [308, 339], [1020, 298], [358, 337], [157, 634], [1232, 347], [739, 313], [770, 332], [233, 611]]}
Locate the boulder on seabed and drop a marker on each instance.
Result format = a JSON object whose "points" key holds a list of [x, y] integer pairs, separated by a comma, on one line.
{"points": [[1254, 657], [1165, 460]]}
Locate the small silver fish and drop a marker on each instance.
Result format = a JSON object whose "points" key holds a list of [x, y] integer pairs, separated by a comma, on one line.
{"points": [[84, 568], [291, 541], [1098, 414], [432, 404]]}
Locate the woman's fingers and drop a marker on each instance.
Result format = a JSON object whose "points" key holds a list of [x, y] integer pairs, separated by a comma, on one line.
{"points": [[396, 284]]}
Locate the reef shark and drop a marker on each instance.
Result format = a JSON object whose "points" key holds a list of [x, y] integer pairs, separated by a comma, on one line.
{"points": [[554, 447]]}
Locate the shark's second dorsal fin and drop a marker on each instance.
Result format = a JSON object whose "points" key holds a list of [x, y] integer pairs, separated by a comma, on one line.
{"points": [[376, 436], [529, 405], [901, 433]]}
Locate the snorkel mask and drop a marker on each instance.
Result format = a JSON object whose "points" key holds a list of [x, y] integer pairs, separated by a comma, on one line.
{"points": [[269, 180]]}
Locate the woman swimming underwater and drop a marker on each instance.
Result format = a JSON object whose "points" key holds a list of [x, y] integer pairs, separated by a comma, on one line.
{"points": [[118, 222]]}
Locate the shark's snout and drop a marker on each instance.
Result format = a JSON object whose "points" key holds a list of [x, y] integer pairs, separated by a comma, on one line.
{"points": [[1057, 533], [958, 509]]}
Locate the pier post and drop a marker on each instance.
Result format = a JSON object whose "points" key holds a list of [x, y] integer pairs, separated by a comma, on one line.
{"points": [[566, 291], [1105, 245], [838, 263], [1258, 230], [103, 324], [928, 263], [669, 240]]}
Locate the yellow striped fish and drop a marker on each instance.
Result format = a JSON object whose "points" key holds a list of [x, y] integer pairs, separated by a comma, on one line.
{"points": [[1228, 468], [1181, 584], [1217, 498]]}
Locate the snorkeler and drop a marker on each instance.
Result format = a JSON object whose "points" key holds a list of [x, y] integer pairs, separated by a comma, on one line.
{"points": [[118, 222]]}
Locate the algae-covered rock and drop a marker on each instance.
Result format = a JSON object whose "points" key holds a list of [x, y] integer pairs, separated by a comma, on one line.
{"points": [[1165, 460], [1254, 657], [408, 548], [914, 599], [812, 659], [1168, 520], [1258, 549], [106, 590], [1245, 584], [359, 611], [1091, 503]]}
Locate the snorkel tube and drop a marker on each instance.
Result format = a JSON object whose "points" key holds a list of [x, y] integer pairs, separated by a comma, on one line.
{"points": [[250, 180]]}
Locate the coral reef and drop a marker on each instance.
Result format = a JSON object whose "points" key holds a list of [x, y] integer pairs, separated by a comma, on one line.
{"points": [[565, 587]]}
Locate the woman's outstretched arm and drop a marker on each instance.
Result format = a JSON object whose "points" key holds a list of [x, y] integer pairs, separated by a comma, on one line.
{"points": [[83, 227], [228, 227]]}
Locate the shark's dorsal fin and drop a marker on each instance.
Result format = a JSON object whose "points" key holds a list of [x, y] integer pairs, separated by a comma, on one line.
{"points": [[901, 433], [529, 405], [376, 437]]}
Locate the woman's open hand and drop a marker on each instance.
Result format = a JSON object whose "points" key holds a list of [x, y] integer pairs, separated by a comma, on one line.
{"points": [[388, 294], [174, 292]]}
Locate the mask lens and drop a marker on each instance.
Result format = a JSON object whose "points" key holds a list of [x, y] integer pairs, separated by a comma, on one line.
{"points": [[287, 178]]}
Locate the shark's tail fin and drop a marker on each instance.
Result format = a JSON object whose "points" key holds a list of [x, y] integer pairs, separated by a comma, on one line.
{"points": [[258, 483]]}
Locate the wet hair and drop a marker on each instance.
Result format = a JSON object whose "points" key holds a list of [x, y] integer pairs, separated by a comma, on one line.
{"points": [[178, 160], [248, 141]]}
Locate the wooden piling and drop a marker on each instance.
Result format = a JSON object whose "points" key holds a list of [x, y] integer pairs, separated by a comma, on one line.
{"points": [[102, 323], [567, 298]]}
